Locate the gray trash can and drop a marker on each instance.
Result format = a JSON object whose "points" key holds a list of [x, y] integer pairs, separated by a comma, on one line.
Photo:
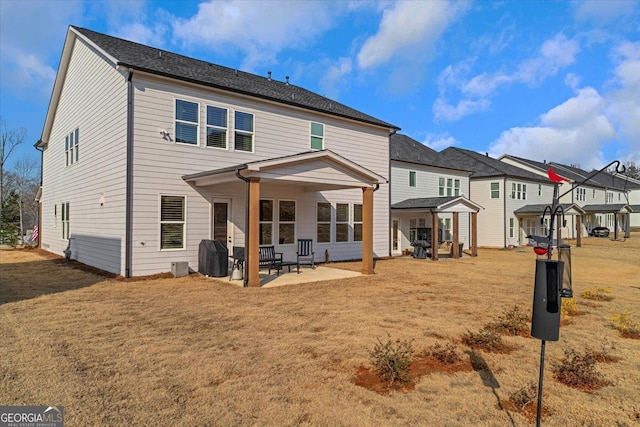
{"points": [[213, 258]]}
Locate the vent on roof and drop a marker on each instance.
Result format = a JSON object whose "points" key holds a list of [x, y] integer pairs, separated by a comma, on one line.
{"points": [[160, 54], [287, 80], [269, 75], [236, 71]]}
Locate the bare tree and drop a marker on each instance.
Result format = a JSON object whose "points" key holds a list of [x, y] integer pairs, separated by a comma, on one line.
{"points": [[9, 140], [26, 180]]}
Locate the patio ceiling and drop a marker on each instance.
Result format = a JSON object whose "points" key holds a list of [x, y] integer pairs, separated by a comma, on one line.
{"points": [[313, 171]]}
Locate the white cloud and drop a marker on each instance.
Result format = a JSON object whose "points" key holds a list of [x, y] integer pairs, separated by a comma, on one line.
{"points": [[439, 141], [572, 132], [442, 110], [572, 80], [405, 39], [604, 12], [554, 55], [333, 79], [139, 33], [258, 29]]}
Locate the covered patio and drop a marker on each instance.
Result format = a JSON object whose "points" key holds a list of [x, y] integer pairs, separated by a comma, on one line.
{"points": [[434, 208], [530, 224], [300, 177]]}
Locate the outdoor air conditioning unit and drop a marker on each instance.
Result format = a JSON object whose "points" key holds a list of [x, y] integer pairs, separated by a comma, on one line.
{"points": [[179, 268]]}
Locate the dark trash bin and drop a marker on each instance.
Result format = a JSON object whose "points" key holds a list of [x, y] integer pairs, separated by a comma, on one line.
{"points": [[213, 258], [420, 249]]}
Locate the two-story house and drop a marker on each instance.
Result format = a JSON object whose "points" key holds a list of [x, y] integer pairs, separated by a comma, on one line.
{"points": [[145, 153], [502, 189], [428, 194], [603, 198]]}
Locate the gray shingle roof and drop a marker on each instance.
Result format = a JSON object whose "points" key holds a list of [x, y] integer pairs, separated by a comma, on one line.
{"points": [[604, 208], [423, 203], [406, 149], [484, 166], [169, 64], [538, 209]]}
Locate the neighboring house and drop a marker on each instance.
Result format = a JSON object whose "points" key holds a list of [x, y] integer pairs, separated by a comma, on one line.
{"points": [[502, 189], [634, 200], [601, 199], [427, 193], [145, 153]]}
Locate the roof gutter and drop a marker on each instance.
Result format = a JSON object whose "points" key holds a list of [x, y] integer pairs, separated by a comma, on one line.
{"points": [[245, 264], [128, 237]]}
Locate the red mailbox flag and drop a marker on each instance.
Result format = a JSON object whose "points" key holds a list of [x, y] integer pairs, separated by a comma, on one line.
{"points": [[555, 177]]}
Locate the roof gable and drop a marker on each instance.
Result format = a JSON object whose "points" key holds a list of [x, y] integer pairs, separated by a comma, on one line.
{"points": [[484, 166], [406, 149], [169, 64]]}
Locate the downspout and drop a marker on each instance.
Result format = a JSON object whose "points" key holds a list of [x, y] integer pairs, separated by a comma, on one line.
{"points": [[245, 264], [504, 213], [128, 237], [41, 150]]}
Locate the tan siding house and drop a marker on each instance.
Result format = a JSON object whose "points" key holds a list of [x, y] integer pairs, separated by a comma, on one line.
{"points": [[173, 151]]}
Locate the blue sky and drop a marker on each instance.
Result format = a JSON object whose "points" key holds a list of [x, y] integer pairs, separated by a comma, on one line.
{"points": [[543, 80]]}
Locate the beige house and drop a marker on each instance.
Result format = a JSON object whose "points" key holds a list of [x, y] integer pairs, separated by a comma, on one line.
{"points": [[146, 153]]}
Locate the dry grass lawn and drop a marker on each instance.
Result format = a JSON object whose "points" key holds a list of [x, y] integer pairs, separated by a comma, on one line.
{"points": [[200, 351]]}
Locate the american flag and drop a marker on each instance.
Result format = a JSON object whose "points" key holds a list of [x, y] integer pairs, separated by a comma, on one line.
{"points": [[34, 235]]}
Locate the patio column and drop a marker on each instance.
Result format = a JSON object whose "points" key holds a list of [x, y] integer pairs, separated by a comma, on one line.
{"points": [[456, 236], [434, 236], [474, 233], [253, 241], [578, 230], [367, 230]]}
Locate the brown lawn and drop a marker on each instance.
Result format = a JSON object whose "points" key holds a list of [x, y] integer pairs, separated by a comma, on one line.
{"points": [[199, 351]]}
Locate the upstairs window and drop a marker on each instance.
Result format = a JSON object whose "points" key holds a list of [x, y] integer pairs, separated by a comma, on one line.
{"points": [[456, 187], [172, 222], [524, 191], [317, 136], [71, 147], [539, 189], [186, 122], [449, 187], [412, 179], [216, 127], [243, 134], [441, 186], [495, 190]]}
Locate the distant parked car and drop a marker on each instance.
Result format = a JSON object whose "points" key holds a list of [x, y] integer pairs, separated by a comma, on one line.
{"points": [[600, 232]]}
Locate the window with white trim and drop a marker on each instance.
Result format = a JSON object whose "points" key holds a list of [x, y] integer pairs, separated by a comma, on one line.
{"points": [[71, 147], [441, 186], [186, 131], [456, 187], [357, 222], [342, 222], [55, 215], [65, 220], [243, 131], [511, 226], [172, 222], [495, 190], [266, 222], [453, 187], [539, 189], [217, 127], [445, 226], [317, 136], [323, 222], [449, 187], [518, 191], [412, 178], [524, 191], [413, 229], [286, 222], [581, 194]]}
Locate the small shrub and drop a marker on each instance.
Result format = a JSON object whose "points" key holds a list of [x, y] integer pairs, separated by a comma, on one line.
{"points": [[512, 322], [448, 354], [578, 370], [569, 308], [598, 294], [485, 339], [391, 360], [524, 397], [622, 322], [603, 355]]}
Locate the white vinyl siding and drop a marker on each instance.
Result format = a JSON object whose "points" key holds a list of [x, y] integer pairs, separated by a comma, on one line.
{"points": [[96, 231]]}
